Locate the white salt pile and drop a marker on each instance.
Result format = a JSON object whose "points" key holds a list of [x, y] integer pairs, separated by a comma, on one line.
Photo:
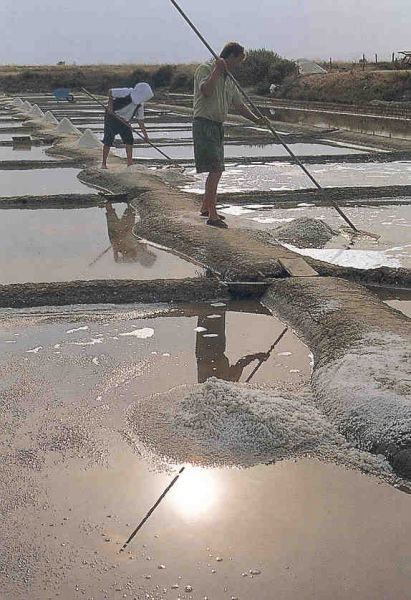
{"points": [[50, 118], [66, 126], [221, 423], [304, 233], [89, 140], [36, 111], [26, 105], [18, 102]]}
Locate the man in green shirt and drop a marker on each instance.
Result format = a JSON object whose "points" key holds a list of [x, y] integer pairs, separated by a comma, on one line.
{"points": [[214, 93]]}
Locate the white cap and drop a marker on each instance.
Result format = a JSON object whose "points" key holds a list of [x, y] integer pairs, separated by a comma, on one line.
{"points": [[141, 93]]}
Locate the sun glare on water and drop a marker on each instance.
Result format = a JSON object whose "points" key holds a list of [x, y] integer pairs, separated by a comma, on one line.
{"points": [[195, 494]]}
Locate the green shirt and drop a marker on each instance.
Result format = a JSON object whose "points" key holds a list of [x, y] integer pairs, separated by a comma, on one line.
{"points": [[214, 107]]}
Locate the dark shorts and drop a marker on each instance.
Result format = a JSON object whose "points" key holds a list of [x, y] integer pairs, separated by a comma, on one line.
{"points": [[208, 139], [113, 127]]}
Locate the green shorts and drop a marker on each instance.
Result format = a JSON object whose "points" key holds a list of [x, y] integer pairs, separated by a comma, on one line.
{"points": [[208, 138]]}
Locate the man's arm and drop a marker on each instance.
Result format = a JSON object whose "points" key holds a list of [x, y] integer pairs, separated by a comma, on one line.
{"points": [[110, 102], [143, 130], [208, 86], [246, 112]]}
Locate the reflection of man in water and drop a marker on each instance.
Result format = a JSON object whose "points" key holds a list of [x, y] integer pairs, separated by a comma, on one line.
{"points": [[210, 351], [126, 247]]}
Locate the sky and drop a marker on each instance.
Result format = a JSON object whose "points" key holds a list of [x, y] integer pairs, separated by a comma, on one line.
{"points": [[151, 31]]}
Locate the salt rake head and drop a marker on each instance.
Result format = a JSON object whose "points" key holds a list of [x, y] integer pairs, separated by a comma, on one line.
{"points": [[353, 235]]}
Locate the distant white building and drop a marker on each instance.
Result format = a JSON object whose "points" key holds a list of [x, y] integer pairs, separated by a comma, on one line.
{"points": [[308, 67]]}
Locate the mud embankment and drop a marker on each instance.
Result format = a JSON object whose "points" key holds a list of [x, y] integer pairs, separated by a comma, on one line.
{"points": [[362, 355]]}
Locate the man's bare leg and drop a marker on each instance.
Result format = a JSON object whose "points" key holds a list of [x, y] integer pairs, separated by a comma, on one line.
{"points": [[210, 194], [129, 152], [106, 150]]}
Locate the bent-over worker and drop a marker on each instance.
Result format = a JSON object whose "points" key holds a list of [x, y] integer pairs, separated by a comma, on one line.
{"points": [[123, 105]]}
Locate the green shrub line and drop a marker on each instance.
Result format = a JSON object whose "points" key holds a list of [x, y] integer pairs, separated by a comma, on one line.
{"points": [[262, 68]]}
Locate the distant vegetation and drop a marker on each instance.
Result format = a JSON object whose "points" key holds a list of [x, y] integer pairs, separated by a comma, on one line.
{"points": [[264, 67], [355, 87], [261, 68], [346, 82]]}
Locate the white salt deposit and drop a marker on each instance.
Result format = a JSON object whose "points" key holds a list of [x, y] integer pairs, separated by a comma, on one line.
{"points": [[50, 118], [234, 424], [92, 342], [373, 408], [359, 259], [143, 334], [36, 112], [84, 328], [35, 350], [89, 140], [18, 102], [26, 105], [236, 210], [66, 126]]}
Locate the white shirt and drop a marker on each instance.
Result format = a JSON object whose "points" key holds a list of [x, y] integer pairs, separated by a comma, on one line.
{"points": [[128, 111], [140, 93]]}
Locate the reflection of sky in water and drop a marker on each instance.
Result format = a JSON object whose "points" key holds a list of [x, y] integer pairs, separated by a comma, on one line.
{"points": [[24, 153], [241, 150], [41, 182], [282, 176], [5, 124], [92, 243]]}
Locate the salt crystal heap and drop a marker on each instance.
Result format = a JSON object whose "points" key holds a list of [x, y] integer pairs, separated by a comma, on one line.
{"points": [[18, 102], [36, 112], [50, 118], [26, 105], [221, 423], [66, 126], [89, 140]]}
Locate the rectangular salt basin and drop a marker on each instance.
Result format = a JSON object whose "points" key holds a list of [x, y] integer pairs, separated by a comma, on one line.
{"points": [[41, 182], [66, 245], [392, 223], [248, 150], [24, 153], [285, 176], [8, 124]]}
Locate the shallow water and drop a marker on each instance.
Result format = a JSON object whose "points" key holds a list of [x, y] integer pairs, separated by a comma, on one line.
{"points": [[73, 490], [249, 150], [392, 223], [400, 299], [40, 182], [284, 176], [24, 153], [67, 245], [5, 125]]}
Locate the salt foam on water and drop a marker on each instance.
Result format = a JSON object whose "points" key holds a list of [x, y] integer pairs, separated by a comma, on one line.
{"points": [[221, 423]]}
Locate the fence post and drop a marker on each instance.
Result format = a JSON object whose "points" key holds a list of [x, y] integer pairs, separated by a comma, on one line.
{"points": [[376, 59]]}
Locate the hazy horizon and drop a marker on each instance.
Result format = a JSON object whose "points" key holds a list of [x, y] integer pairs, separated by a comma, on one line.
{"points": [[152, 32]]}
